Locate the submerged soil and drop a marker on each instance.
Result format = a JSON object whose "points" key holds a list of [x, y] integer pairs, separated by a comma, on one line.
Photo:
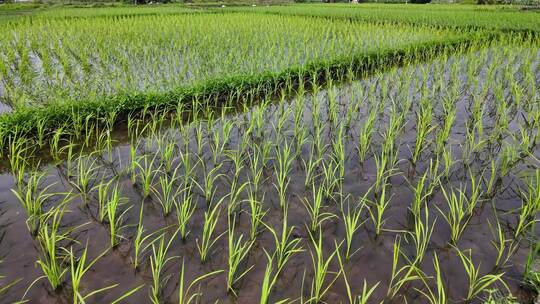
{"points": [[390, 92]]}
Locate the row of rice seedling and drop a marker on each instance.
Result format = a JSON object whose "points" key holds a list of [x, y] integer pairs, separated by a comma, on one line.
{"points": [[47, 61], [281, 202], [508, 18]]}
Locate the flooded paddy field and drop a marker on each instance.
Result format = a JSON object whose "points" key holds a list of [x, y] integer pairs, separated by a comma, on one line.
{"points": [[420, 183]]}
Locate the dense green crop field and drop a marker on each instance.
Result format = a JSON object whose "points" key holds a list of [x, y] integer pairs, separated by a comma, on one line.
{"points": [[50, 61], [308, 153], [490, 17]]}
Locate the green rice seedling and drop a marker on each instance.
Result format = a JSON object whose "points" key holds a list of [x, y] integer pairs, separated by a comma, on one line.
{"points": [[184, 211], [158, 262], [422, 191], [238, 253], [103, 189], [185, 158], [314, 208], [338, 155], [256, 213], [256, 168], [115, 216], [402, 275], [421, 235], [504, 247], [331, 183], [443, 135], [147, 173], [352, 222], [439, 296], [167, 148], [40, 131], [457, 217], [366, 135], [210, 179], [530, 205], [321, 270], [509, 155], [477, 283], [310, 167], [423, 128], [55, 144], [169, 193], [33, 199], [17, 155], [476, 194], [286, 245], [282, 167], [142, 242], [87, 169], [531, 276], [6, 287], [51, 261], [184, 296], [283, 117], [199, 136], [385, 168], [366, 291], [448, 161], [207, 239], [269, 279], [377, 209], [78, 268], [133, 163]]}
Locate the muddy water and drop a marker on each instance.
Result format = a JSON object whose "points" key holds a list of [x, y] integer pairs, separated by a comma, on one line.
{"points": [[372, 260]]}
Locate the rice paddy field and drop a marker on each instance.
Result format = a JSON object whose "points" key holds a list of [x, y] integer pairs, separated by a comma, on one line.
{"points": [[270, 155]]}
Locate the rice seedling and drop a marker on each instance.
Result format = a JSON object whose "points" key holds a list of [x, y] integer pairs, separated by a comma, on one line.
{"points": [[169, 193], [147, 173], [504, 247], [282, 166], [400, 276], [33, 199], [256, 165], [52, 261], [531, 276], [477, 283], [439, 296], [366, 134], [210, 179], [421, 235], [141, 243], [352, 222], [207, 239], [457, 217], [78, 268], [115, 216], [311, 167], [87, 168], [238, 253], [184, 295], [422, 191], [286, 245], [269, 279], [366, 291], [530, 204], [378, 208], [158, 262], [423, 128], [321, 270], [314, 208], [256, 213], [184, 211]]}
